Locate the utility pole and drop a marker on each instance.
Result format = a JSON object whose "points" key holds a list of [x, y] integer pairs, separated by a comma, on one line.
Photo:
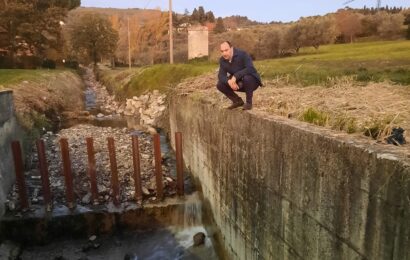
{"points": [[171, 43], [129, 44]]}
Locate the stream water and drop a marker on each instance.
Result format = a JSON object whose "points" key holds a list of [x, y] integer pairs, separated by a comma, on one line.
{"points": [[171, 242]]}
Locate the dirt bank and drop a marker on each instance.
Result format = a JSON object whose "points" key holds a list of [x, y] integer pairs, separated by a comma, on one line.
{"points": [[39, 102]]}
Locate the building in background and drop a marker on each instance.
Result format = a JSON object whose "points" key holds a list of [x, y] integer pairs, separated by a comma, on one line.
{"points": [[197, 42]]}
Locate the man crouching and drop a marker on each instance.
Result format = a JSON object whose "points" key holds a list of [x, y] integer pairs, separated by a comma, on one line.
{"points": [[237, 73]]}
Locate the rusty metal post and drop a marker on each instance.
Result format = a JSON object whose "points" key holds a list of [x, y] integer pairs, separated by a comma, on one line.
{"points": [[114, 172], [41, 151], [137, 168], [91, 168], [19, 169], [180, 164], [65, 154], [158, 167]]}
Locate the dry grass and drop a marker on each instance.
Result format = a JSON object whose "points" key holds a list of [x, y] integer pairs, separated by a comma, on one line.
{"points": [[372, 109]]}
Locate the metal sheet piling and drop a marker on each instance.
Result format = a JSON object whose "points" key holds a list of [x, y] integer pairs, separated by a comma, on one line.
{"points": [[68, 175], [114, 172]]}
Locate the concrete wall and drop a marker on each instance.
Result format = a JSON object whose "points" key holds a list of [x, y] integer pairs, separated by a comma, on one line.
{"points": [[281, 189], [8, 132], [197, 42]]}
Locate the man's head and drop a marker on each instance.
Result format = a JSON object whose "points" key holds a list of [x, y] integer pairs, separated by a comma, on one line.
{"points": [[226, 50]]}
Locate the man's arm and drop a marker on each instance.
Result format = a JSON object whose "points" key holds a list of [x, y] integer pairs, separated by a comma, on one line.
{"points": [[249, 68]]}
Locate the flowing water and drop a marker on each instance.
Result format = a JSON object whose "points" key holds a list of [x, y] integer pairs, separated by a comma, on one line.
{"points": [[172, 242]]}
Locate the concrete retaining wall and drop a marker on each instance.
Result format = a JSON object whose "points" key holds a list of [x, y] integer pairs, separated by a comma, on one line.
{"points": [[281, 189], [8, 132]]}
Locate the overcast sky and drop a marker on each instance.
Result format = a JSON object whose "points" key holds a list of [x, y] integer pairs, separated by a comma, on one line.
{"points": [[259, 10]]}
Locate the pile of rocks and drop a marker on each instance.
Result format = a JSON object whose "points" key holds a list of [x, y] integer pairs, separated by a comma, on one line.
{"points": [[78, 153], [148, 107]]}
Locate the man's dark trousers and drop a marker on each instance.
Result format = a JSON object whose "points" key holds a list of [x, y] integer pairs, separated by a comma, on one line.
{"points": [[248, 85]]}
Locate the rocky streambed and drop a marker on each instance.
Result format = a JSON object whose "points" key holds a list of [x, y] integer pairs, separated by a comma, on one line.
{"points": [[78, 153], [102, 109]]}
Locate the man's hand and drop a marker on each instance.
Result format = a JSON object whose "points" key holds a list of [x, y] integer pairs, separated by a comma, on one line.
{"points": [[232, 83]]}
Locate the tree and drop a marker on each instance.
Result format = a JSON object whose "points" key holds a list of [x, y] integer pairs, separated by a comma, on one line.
{"points": [[312, 31], [349, 24], [33, 24], [407, 22], [94, 36], [408, 32], [219, 26], [153, 36], [293, 38], [201, 15], [269, 44], [407, 19], [210, 17], [195, 15], [390, 26], [186, 12]]}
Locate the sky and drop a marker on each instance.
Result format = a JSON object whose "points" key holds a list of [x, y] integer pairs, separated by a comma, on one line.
{"points": [[258, 10]]}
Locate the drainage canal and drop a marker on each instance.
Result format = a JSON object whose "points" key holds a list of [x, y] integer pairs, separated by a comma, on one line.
{"points": [[121, 201]]}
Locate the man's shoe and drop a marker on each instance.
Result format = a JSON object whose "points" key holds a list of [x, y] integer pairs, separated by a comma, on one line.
{"points": [[236, 104], [247, 106]]}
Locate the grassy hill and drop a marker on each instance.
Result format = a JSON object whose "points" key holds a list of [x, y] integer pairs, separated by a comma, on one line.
{"points": [[127, 83], [358, 62], [370, 61], [9, 77]]}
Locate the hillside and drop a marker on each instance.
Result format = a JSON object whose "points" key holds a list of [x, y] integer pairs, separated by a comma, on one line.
{"points": [[356, 63], [357, 88], [142, 15]]}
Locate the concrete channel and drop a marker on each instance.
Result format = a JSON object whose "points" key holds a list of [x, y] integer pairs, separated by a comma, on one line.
{"points": [[169, 222]]}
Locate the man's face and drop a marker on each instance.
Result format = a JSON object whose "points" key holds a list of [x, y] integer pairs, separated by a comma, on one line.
{"points": [[226, 51]]}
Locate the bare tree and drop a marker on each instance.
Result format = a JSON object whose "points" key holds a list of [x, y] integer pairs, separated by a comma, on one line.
{"points": [[349, 24]]}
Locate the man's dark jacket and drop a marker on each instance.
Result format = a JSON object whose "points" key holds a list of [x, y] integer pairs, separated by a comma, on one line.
{"points": [[240, 66]]}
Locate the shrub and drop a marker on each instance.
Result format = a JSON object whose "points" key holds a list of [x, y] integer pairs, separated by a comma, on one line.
{"points": [[314, 116]]}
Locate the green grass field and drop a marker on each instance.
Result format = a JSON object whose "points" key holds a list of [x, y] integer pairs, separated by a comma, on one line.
{"points": [[370, 61], [8, 77], [125, 83], [363, 62]]}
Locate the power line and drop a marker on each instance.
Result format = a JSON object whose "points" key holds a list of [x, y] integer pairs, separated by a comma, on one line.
{"points": [[149, 1]]}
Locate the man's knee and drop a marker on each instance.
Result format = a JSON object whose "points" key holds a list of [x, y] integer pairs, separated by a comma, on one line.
{"points": [[250, 82], [248, 79], [221, 86]]}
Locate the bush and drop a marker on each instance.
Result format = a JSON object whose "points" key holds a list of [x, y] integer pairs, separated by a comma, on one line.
{"points": [[48, 64], [6, 62]]}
